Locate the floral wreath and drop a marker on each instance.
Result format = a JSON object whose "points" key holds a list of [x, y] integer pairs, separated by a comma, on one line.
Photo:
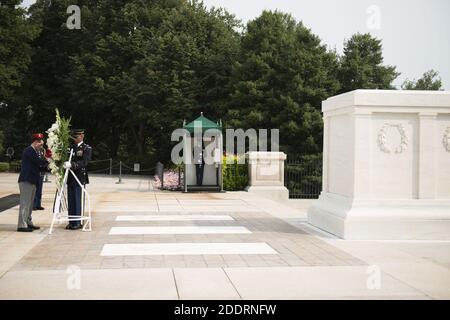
{"points": [[58, 142], [446, 139], [382, 138]]}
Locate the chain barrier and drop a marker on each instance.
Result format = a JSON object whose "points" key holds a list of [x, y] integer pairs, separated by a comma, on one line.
{"points": [[140, 170], [95, 161], [99, 170], [132, 171]]}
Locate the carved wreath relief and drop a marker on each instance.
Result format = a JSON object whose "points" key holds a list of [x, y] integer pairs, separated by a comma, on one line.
{"points": [[446, 139], [384, 146]]}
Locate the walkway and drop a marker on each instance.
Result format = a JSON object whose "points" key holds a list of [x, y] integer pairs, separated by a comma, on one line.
{"points": [[149, 244]]}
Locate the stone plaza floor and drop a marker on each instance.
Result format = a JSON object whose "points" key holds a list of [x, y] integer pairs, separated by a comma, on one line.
{"points": [[151, 244]]}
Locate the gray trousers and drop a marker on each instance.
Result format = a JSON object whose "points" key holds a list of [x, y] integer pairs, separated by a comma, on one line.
{"points": [[27, 193]]}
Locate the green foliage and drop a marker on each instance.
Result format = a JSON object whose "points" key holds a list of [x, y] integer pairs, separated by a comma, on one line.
{"points": [[15, 50], [430, 81], [282, 74], [16, 35], [361, 66], [235, 176], [139, 66], [4, 166]]}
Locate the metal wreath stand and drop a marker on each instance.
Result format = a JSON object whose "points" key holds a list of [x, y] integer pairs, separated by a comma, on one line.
{"points": [[60, 210]]}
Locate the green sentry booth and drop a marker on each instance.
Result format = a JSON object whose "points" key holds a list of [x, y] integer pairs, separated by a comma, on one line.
{"points": [[212, 175]]}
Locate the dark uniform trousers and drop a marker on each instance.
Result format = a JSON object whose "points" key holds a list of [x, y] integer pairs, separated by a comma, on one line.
{"points": [[38, 196], [80, 160], [199, 164], [199, 169], [74, 198]]}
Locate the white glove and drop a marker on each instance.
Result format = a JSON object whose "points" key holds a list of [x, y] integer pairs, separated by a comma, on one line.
{"points": [[67, 165]]}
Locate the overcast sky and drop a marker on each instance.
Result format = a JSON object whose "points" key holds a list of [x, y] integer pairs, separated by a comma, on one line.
{"points": [[415, 33]]}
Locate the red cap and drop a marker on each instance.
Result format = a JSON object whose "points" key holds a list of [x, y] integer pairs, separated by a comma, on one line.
{"points": [[37, 136]]}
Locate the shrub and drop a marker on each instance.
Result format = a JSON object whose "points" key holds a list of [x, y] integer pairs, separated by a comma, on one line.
{"points": [[4, 166], [235, 176]]}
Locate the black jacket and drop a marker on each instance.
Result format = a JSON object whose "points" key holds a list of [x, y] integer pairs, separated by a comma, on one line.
{"points": [[32, 165], [80, 160]]}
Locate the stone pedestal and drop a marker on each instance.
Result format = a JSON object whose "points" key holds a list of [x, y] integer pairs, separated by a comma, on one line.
{"points": [[266, 174], [386, 165]]}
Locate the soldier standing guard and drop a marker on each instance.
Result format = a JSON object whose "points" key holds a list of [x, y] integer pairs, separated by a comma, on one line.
{"points": [[82, 154], [199, 162]]}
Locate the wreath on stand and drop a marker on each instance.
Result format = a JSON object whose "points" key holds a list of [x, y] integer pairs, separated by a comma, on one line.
{"points": [[58, 142]]}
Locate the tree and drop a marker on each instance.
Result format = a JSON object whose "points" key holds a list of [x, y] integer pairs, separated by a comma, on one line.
{"points": [[279, 81], [361, 66], [15, 39], [16, 35], [51, 83], [430, 81], [133, 72]]}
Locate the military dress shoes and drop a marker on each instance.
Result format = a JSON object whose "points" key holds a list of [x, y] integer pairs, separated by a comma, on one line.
{"points": [[33, 227], [28, 229], [39, 208], [70, 227]]}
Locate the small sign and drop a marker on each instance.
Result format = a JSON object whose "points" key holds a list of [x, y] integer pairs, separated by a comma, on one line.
{"points": [[137, 167]]}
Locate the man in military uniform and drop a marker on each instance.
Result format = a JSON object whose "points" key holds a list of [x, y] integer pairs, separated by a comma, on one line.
{"points": [[199, 162], [82, 154]]}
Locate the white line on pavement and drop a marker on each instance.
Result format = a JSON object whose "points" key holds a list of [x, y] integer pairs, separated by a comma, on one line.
{"points": [[142, 249], [173, 217], [178, 230]]}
